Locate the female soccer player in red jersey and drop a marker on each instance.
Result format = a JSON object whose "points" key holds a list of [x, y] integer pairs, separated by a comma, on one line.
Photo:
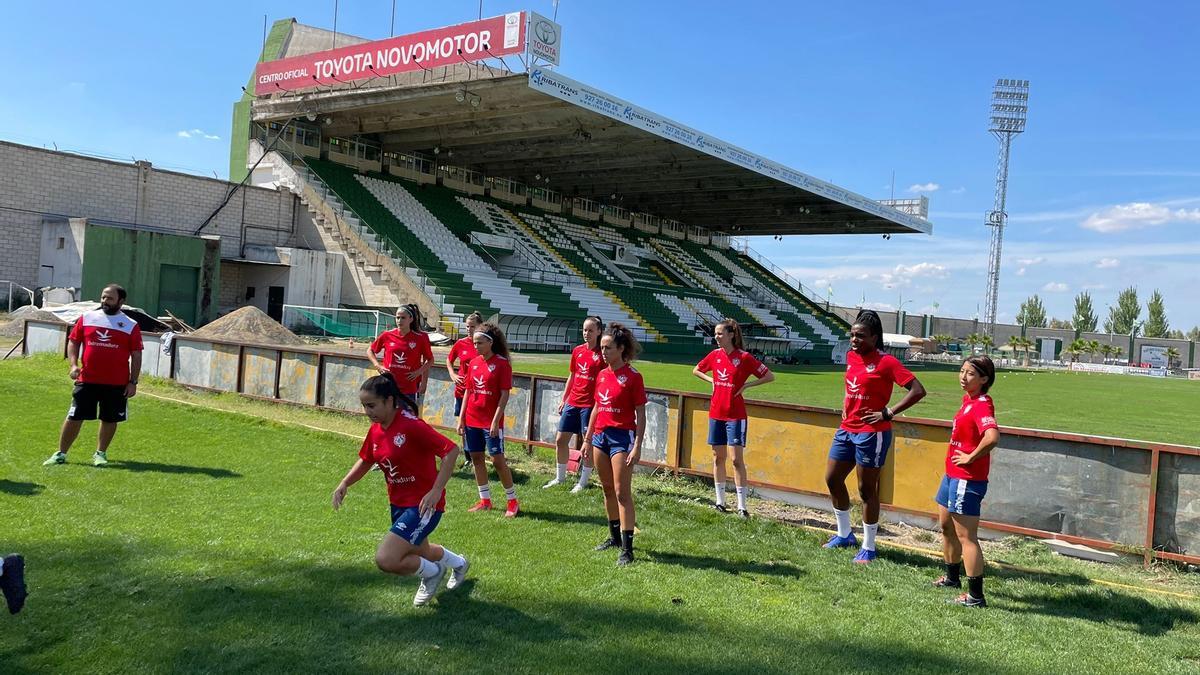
{"points": [[865, 435], [407, 354], [489, 377], [405, 449], [731, 367], [615, 433], [459, 359], [575, 409], [968, 460]]}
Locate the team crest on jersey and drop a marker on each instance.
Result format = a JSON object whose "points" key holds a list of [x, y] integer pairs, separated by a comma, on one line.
{"points": [[595, 358], [412, 345], [491, 367], [621, 379], [870, 367], [736, 362], [398, 440]]}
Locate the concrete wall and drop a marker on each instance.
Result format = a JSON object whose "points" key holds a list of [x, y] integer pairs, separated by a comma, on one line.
{"points": [[61, 254], [38, 184], [315, 279]]}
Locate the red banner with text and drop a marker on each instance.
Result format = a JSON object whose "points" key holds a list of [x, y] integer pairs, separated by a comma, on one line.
{"points": [[493, 37]]}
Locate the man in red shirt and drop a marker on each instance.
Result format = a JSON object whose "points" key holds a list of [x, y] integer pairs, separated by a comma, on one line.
{"points": [[105, 352]]}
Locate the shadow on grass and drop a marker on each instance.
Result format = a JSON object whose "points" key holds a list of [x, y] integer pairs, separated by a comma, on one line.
{"points": [[519, 477], [599, 521], [139, 467], [782, 569], [1103, 606], [20, 489]]}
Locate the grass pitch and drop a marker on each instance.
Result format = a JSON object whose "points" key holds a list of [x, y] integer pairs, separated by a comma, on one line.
{"points": [[209, 544]]}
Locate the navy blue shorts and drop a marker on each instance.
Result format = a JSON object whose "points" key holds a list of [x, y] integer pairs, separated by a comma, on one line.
{"points": [[964, 497], [458, 406], [727, 432], [613, 441], [408, 524], [478, 439], [867, 448], [574, 420]]}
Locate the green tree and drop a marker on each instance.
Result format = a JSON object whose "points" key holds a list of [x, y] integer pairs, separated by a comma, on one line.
{"points": [[1156, 317], [1107, 350], [1123, 317], [1032, 313], [1172, 357], [1084, 319], [1062, 324], [1074, 349], [1093, 348], [1194, 333], [987, 343]]}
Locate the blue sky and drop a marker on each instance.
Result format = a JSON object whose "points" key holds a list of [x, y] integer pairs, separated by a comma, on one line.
{"points": [[1105, 184]]}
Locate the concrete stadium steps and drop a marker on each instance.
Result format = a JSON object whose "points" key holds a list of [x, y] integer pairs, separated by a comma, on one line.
{"points": [[450, 249], [447, 288], [807, 308]]}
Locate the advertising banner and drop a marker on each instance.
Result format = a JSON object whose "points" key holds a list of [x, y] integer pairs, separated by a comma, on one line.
{"points": [[567, 89], [474, 41], [1154, 356], [545, 38]]}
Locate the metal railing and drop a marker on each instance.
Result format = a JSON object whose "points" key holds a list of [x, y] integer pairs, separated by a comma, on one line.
{"points": [[11, 285], [742, 245]]}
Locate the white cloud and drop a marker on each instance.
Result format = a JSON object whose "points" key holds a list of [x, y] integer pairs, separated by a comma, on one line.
{"points": [[1055, 287], [879, 306], [958, 190], [1135, 215], [1026, 263], [924, 187], [197, 133], [1107, 263]]}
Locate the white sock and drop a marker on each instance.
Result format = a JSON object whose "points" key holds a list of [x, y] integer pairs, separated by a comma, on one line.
{"points": [[485, 492], [511, 492], [560, 472], [741, 497], [720, 494], [869, 536], [451, 559], [585, 474], [843, 522], [427, 569]]}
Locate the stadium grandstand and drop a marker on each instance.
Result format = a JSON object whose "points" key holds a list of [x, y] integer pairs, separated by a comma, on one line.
{"points": [[465, 185]]}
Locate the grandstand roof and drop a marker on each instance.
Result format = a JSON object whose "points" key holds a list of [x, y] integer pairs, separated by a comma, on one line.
{"points": [[590, 144]]}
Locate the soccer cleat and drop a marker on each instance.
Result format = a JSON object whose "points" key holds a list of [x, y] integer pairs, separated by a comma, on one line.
{"points": [[552, 483], [99, 458], [481, 505], [864, 557], [944, 582], [56, 458], [579, 487], [12, 582], [513, 509], [607, 544], [625, 558], [968, 600], [459, 575], [721, 507], [429, 586], [744, 514], [841, 542]]}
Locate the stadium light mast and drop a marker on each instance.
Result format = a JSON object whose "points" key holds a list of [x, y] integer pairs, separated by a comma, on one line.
{"points": [[1010, 104]]}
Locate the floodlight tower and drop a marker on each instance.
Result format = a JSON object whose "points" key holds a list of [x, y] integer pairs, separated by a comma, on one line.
{"points": [[1010, 103]]}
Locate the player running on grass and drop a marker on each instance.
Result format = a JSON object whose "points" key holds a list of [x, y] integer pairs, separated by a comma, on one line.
{"points": [[105, 352], [481, 425], [731, 367], [968, 460], [407, 354], [575, 409], [404, 447], [865, 435], [614, 435]]}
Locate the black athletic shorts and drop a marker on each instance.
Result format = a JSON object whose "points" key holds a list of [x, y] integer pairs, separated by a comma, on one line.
{"points": [[110, 398]]}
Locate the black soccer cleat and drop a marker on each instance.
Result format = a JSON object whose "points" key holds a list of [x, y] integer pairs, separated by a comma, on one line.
{"points": [[745, 515], [945, 582], [607, 544], [721, 507], [625, 558], [968, 600], [12, 582]]}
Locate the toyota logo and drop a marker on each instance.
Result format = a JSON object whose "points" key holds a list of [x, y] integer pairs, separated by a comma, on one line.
{"points": [[544, 30]]}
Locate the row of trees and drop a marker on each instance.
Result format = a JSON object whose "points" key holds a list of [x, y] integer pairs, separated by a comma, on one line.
{"points": [[1122, 317], [1077, 348]]}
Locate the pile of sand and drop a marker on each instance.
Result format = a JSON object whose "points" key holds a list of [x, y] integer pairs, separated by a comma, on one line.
{"points": [[16, 327], [249, 325]]}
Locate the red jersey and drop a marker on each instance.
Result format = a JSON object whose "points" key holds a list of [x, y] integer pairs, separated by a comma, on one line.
{"points": [[730, 372], [106, 343], [585, 365], [486, 380], [403, 354], [617, 394], [869, 382], [464, 351], [976, 416], [404, 452]]}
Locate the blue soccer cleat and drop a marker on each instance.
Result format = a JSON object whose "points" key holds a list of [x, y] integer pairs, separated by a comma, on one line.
{"points": [[841, 542], [864, 556]]}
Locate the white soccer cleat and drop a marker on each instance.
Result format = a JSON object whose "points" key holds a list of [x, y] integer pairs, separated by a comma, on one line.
{"points": [[428, 587], [552, 483], [459, 575], [579, 487]]}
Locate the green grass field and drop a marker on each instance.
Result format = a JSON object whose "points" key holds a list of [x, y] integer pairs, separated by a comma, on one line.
{"points": [[209, 544], [1123, 406]]}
